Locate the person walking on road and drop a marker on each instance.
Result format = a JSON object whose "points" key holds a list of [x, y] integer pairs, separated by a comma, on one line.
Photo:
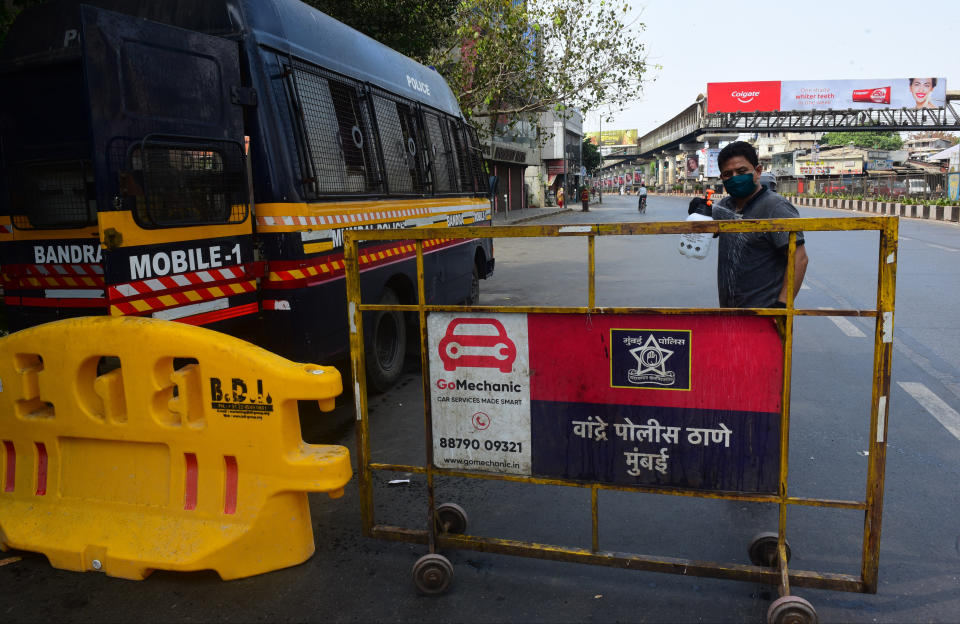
{"points": [[585, 199], [560, 197], [642, 194], [751, 266]]}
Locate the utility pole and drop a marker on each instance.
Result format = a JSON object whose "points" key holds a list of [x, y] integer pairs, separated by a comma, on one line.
{"points": [[563, 146], [600, 147]]}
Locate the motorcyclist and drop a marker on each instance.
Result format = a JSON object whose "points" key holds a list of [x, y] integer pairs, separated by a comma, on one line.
{"points": [[768, 181]]}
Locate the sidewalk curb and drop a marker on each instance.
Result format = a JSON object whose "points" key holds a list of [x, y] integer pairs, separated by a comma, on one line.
{"points": [[533, 217]]}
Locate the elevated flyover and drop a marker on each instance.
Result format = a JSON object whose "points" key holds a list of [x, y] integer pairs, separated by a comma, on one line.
{"points": [[693, 125]]}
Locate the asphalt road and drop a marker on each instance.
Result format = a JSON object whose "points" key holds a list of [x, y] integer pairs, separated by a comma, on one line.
{"points": [[353, 578]]}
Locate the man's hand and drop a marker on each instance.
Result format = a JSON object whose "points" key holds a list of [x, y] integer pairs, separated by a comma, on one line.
{"points": [[699, 205]]}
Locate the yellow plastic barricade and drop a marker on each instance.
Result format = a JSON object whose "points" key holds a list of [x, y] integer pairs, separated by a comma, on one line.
{"points": [[187, 455]]}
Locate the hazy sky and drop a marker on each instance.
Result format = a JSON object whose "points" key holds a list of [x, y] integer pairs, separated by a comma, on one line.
{"points": [[697, 42]]}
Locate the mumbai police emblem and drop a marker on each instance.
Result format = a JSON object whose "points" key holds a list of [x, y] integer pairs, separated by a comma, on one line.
{"points": [[650, 359]]}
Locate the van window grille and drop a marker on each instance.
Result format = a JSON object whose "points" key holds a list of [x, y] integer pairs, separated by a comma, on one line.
{"points": [[441, 155], [53, 195], [352, 138], [462, 156], [338, 155], [183, 181], [404, 145], [475, 154]]}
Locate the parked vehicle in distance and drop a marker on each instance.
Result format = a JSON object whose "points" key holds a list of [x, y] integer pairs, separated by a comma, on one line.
{"points": [[897, 188], [917, 187]]}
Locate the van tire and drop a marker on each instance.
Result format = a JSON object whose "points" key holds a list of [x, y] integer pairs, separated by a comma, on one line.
{"points": [[386, 344], [474, 297]]}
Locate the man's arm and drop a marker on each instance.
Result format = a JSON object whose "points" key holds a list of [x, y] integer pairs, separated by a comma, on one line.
{"points": [[800, 261]]}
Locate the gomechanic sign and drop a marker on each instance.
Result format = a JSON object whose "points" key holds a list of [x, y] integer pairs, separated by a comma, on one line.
{"points": [[673, 401], [804, 95]]}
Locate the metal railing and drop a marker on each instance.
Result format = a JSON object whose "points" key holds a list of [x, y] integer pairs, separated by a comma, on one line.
{"points": [[893, 187]]}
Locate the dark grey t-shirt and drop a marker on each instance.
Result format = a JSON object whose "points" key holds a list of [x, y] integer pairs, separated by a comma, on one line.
{"points": [[751, 265]]}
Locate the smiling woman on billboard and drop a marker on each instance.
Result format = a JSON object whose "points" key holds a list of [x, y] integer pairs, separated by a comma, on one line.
{"points": [[922, 89]]}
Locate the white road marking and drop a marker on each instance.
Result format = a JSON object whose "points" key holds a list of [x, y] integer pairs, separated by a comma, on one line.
{"points": [[804, 287], [945, 415], [936, 246], [845, 326]]}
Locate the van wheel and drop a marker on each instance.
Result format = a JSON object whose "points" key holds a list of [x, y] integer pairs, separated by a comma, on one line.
{"points": [[387, 344], [474, 297]]}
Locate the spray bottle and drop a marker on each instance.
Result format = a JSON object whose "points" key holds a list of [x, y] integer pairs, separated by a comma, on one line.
{"points": [[697, 245]]}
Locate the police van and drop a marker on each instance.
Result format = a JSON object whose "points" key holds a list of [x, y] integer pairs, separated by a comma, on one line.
{"points": [[200, 161]]}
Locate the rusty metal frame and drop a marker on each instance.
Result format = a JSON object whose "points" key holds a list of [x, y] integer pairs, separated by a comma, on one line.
{"points": [[780, 575]]}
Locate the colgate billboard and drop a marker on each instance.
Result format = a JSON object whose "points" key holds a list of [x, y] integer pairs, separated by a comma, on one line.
{"points": [[803, 95], [732, 97]]}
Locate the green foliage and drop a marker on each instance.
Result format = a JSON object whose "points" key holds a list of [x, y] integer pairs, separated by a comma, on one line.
{"points": [[591, 155], [871, 140], [9, 9], [511, 60], [412, 28]]}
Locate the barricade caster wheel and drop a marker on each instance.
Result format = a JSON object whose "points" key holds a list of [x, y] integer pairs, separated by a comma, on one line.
{"points": [[791, 610], [763, 549], [451, 518], [432, 574]]}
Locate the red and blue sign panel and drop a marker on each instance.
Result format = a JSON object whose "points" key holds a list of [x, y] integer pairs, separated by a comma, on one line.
{"points": [[689, 402], [677, 401]]}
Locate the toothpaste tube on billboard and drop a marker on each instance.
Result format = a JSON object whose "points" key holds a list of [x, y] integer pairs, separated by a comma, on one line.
{"points": [[879, 95]]}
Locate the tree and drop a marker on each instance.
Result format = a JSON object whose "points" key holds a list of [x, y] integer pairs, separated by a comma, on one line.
{"points": [[514, 60], [412, 28], [871, 140], [591, 155], [9, 9]]}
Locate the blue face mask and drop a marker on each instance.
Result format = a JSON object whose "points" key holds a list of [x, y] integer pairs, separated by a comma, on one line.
{"points": [[740, 186]]}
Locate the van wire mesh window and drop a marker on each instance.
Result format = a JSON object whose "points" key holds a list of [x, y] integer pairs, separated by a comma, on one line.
{"points": [[337, 154], [53, 195], [353, 139], [404, 145], [475, 154], [187, 182], [461, 153], [441, 155]]}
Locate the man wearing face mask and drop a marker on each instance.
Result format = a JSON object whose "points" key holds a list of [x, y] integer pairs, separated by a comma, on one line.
{"points": [[751, 266]]}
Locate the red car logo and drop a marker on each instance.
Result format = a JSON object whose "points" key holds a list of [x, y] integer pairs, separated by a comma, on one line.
{"points": [[477, 343]]}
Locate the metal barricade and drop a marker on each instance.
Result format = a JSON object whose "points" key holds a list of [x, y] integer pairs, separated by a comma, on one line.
{"points": [[502, 341]]}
